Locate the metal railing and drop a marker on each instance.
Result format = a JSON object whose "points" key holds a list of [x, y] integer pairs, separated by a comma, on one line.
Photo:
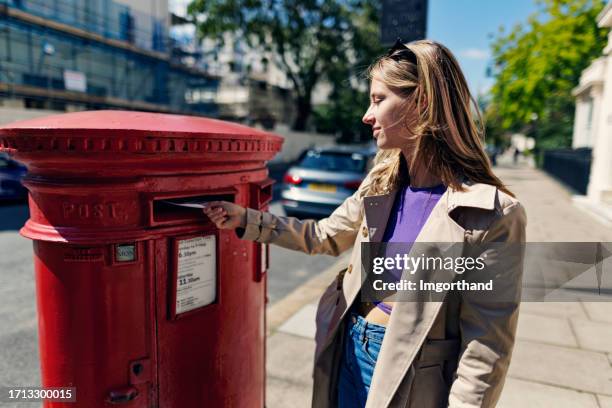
{"points": [[570, 166]]}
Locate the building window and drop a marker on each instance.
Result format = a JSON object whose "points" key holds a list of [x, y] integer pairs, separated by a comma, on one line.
{"points": [[199, 95]]}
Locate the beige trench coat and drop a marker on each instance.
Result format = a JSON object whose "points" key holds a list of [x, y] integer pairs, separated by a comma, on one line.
{"points": [[453, 353]]}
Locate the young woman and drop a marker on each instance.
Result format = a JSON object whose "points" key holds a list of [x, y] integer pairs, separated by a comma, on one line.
{"points": [[431, 182]]}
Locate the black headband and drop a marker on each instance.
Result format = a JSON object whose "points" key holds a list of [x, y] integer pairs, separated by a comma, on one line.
{"points": [[399, 51]]}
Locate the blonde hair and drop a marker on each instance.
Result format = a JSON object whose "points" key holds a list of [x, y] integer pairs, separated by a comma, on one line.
{"points": [[438, 105]]}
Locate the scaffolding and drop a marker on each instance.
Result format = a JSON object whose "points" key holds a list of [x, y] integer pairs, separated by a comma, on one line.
{"points": [[107, 18], [59, 52]]}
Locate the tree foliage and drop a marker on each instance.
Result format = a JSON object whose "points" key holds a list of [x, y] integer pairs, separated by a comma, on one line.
{"points": [[308, 39], [349, 98], [538, 63]]}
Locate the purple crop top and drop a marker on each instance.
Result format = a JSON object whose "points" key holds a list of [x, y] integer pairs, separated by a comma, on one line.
{"points": [[411, 209]]}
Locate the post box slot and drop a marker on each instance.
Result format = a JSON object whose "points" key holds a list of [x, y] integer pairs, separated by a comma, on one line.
{"points": [[172, 210]]}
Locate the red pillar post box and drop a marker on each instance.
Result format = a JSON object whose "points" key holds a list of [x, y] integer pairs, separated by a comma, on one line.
{"points": [[143, 303]]}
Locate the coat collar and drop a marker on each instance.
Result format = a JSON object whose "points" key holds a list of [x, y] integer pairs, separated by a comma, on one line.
{"points": [[478, 195], [377, 208]]}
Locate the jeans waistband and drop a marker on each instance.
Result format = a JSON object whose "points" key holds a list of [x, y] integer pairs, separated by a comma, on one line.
{"points": [[372, 331]]}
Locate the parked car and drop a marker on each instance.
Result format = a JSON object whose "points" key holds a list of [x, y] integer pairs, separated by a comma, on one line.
{"points": [[323, 178], [11, 174]]}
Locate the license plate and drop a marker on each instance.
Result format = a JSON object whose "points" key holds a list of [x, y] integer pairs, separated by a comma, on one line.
{"points": [[328, 188]]}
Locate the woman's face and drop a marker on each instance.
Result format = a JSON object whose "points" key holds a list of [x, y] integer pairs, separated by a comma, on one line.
{"points": [[385, 115]]}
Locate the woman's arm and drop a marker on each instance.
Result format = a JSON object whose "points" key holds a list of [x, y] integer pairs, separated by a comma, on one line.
{"points": [[488, 326], [332, 235]]}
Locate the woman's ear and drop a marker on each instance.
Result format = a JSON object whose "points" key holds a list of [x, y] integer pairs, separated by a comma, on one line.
{"points": [[422, 95]]}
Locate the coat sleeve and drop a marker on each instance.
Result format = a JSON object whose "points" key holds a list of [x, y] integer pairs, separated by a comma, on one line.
{"points": [[332, 235], [488, 321]]}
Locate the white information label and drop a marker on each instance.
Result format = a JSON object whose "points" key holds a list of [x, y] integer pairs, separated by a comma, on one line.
{"points": [[196, 284]]}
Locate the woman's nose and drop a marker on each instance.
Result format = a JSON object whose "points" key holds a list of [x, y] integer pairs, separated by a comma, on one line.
{"points": [[368, 118]]}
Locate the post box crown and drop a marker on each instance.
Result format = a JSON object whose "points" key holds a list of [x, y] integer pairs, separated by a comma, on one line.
{"points": [[131, 131]]}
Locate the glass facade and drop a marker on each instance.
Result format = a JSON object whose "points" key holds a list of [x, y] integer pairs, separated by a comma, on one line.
{"points": [[107, 18], [44, 59]]}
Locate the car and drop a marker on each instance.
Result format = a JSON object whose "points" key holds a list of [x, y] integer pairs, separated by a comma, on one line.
{"points": [[323, 178], [11, 175]]}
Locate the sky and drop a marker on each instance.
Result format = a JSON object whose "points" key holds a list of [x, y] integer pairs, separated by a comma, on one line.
{"points": [[464, 27]]}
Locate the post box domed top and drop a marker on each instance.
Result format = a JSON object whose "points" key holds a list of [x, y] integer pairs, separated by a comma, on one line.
{"points": [[113, 122], [93, 137]]}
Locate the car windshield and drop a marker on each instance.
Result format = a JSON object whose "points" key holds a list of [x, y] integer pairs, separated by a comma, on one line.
{"points": [[335, 161]]}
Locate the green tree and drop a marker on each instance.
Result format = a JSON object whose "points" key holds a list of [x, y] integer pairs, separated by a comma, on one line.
{"points": [[349, 98], [536, 66], [343, 114], [309, 39]]}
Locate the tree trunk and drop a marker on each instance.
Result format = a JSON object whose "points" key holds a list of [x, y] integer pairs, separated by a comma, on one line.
{"points": [[303, 110]]}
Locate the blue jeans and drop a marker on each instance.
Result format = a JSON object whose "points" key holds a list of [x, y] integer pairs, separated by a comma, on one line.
{"points": [[361, 347]]}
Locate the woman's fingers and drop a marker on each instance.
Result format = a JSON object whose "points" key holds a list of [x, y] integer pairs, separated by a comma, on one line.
{"points": [[218, 215], [215, 217], [222, 213], [213, 211]]}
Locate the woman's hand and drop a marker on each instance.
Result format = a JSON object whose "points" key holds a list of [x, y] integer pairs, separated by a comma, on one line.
{"points": [[226, 215]]}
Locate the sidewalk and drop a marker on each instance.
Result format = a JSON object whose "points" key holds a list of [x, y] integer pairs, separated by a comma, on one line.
{"points": [[563, 355]]}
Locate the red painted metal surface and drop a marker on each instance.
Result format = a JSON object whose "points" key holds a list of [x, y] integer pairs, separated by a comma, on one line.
{"points": [[107, 321]]}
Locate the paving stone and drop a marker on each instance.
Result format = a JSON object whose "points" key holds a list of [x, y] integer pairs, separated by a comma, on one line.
{"points": [[594, 336], [599, 311], [302, 323], [283, 394], [558, 309], [604, 402], [545, 329], [577, 369], [290, 358], [524, 394]]}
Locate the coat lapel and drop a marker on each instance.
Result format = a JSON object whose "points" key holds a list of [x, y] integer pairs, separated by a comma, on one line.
{"points": [[377, 209]]}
